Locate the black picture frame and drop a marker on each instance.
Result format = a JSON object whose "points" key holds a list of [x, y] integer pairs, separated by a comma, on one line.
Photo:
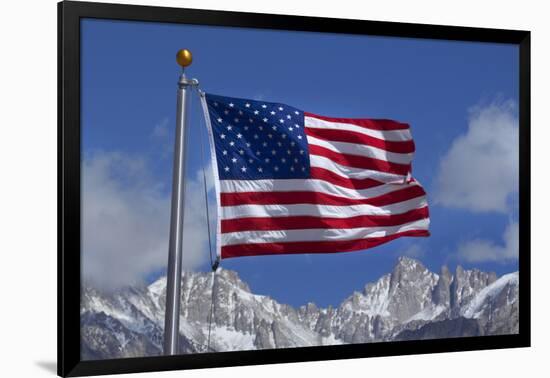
{"points": [[69, 15]]}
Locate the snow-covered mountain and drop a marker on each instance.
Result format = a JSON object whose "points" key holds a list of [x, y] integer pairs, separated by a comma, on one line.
{"points": [[409, 303]]}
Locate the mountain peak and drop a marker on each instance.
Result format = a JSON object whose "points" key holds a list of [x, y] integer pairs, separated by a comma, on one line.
{"points": [[408, 263], [158, 286], [233, 277], [410, 299]]}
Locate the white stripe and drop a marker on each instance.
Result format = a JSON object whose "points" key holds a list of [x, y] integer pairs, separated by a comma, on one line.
{"points": [[354, 173], [319, 234], [389, 135], [310, 185], [362, 150], [330, 211]]}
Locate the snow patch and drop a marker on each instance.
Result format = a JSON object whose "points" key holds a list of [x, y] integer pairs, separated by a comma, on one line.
{"points": [[226, 339], [428, 313], [474, 309]]}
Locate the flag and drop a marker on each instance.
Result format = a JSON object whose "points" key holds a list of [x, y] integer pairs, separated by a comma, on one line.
{"points": [[289, 181]]}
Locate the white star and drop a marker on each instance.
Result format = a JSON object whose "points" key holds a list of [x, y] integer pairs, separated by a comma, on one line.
{"points": [[255, 136], [283, 160], [264, 106], [273, 152], [240, 112], [224, 152], [296, 112], [260, 127], [250, 161], [296, 126], [274, 127], [267, 160], [241, 152], [260, 169], [270, 136], [219, 120], [295, 160], [246, 128], [283, 136], [256, 112], [247, 105], [264, 144], [288, 152], [215, 104], [239, 135], [258, 153], [250, 120], [234, 160], [292, 168], [288, 116], [265, 119], [280, 108], [276, 168], [292, 143], [303, 169], [247, 144], [226, 112], [301, 152], [282, 120], [226, 169], [229, 127], [231, 104], [299, 137], [279, 144], [236, 120], [231, 143], [272, 112], [290, 129], [243, 169], [222, 136]]}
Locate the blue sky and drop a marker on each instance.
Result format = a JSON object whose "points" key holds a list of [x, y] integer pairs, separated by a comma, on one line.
{"points": [[452, 93]]}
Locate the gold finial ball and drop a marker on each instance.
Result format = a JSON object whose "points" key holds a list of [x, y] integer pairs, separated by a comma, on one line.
{"points": [[184, 57]]}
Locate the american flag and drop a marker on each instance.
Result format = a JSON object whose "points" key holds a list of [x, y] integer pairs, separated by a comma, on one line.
{"points": [[289, 181]]}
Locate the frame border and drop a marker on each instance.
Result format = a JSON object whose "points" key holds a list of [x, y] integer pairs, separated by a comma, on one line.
{"points": [[68, 306]]}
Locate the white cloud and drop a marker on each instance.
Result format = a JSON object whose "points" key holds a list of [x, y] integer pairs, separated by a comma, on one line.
{"points": [[162, 139], [161, 129], [125, 221], [481, 250], [412, 250], [480, 172]]}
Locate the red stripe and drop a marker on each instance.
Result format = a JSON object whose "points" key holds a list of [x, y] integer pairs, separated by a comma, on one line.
{"points": [[402, 147], [346, 182], [313, 247], [308, 222], [306, 197], [374, 124], [356, 161]]}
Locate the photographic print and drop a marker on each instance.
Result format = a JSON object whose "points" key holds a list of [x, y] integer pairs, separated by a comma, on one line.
{"points": [[293, 182], [272, 189]]}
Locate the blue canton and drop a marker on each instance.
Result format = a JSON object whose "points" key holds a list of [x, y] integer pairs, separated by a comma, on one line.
{"points": [[257, 140]]}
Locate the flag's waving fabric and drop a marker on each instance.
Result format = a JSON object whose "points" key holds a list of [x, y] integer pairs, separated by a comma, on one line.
{"points": [[289, 181]]}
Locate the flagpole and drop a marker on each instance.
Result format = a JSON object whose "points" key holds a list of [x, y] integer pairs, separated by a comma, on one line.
{"points": [[173, 284]]}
